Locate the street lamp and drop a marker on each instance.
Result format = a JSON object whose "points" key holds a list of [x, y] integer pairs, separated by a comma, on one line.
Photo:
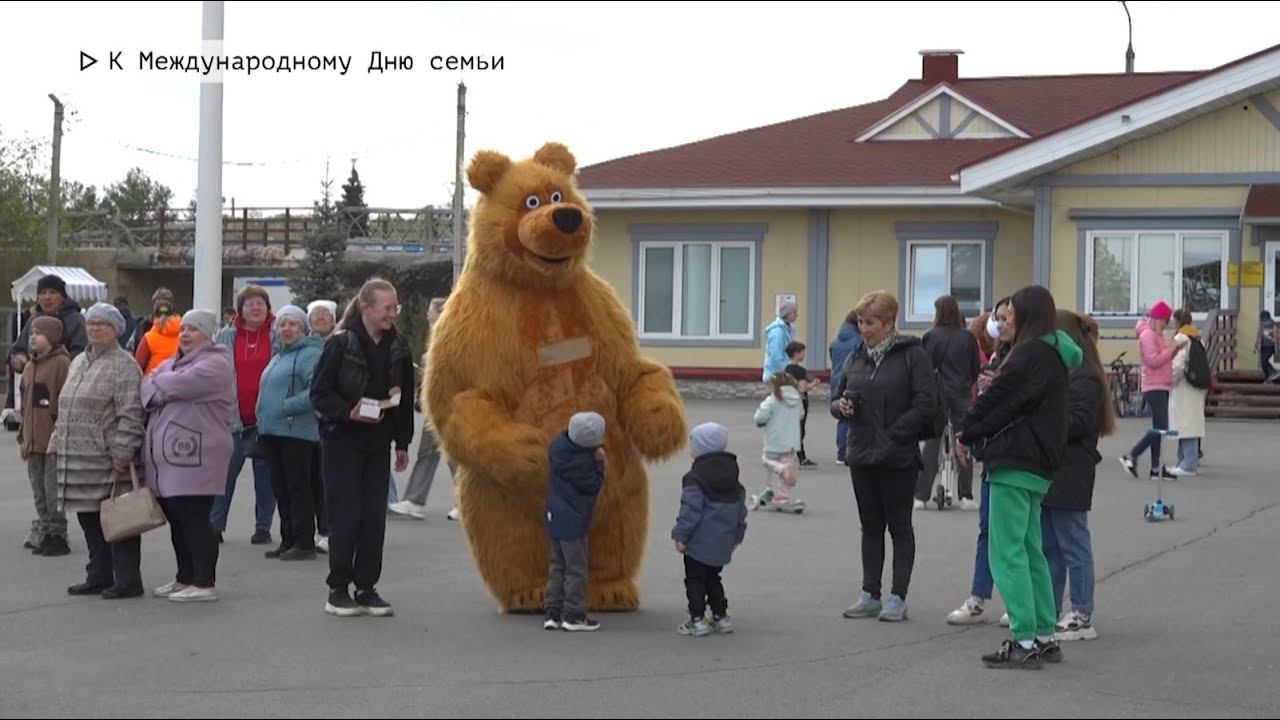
{"points": [[1128, 54]]}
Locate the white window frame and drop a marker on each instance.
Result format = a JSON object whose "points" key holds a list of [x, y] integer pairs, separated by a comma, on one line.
{"points": [[1135, 311], [909, 313], [677, 301]]}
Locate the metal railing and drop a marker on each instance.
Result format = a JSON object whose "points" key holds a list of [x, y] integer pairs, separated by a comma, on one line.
{"points": [[426, 230]]}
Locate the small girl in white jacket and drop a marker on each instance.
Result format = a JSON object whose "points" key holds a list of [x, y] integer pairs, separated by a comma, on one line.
{"points": [[779, 416]]}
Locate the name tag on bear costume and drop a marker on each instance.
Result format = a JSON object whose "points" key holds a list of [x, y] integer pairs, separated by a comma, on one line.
{"points": [[564, 351]]}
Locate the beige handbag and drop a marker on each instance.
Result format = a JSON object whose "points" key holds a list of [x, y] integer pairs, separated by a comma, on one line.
{"points": [[132, 513]]}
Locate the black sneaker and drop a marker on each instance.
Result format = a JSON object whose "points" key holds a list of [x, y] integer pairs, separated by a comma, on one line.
{"points": [[116, 592], [553, 620], [298, 554], [581, 623], [1163, 473], [370, 603], [260, 537], [1011, 655], [341, 605], [1129, 465], [1050, 651], [40, 546], [808, 464], [54, 546], [88, 588], [275, 554]]}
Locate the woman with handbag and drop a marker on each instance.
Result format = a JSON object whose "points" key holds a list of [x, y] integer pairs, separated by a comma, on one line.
{"points": [[289, 433], [96, 437], [187, 448]]}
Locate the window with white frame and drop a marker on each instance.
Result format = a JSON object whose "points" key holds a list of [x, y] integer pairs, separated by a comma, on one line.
{"points": [[697, 290], [1126, 272], [952, 267]]}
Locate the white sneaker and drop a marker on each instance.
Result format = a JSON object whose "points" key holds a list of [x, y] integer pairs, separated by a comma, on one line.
{"points": [[970, 613], [1075, 626], [919, 505], [454, 514], [322, 543], [168, 589], [1004, 620], [1181, 473], [969, 504], [406, 509], [194, 594]]}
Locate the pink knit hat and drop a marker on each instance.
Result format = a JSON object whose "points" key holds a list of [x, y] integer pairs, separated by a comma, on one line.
{"points": [[1161, 311]]}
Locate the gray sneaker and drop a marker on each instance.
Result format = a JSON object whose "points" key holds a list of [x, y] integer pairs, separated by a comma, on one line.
{"points": [[721, 626], [866, 607], [695, 627], [895, 610]]}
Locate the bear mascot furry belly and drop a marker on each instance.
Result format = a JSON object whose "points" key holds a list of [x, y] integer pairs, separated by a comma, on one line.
{"points": [[530, 336]]}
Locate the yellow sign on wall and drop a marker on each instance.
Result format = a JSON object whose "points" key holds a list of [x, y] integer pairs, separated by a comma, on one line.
{"points": [[1248, 274], [1251, 274]]}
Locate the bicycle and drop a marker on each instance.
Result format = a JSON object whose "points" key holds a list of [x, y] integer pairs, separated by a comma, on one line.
{"points": [[948, 470], [1126, 388]]}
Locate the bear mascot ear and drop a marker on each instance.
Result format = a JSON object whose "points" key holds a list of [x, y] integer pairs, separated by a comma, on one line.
{"points": [[486, 169], [556, 156]]}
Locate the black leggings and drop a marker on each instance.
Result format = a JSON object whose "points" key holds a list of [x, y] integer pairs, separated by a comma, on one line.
{"points": [[884, 498], [195, 546], [1158, 401]]}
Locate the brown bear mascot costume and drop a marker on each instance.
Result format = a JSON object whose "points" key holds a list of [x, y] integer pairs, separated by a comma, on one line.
{"points": [[530, 336]]}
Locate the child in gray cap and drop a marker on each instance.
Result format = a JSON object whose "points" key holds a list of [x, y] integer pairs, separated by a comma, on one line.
{"points": [[712, 523], [577, 473]]}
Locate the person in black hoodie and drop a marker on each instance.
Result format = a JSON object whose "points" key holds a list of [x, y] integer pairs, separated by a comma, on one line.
{"points": [[577, 474], [52, 300], [953, 351], [888, 394], [366, 362], [711, 525], [1064, 517], [1018, 428]]}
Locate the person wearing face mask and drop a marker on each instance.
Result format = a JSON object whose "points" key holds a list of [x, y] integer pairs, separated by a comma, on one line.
{"points": [[1000, 330]]}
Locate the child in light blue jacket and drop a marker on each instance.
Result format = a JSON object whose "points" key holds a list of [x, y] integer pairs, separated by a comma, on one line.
{"points": [[779, 416]]}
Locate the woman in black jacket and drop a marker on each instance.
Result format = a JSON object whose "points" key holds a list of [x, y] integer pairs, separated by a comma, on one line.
{"points": [[368, 361], [1064, 518], [1019, 429], [887, 394], [953, 351]]}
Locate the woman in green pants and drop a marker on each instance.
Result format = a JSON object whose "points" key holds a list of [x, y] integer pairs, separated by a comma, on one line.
{"points": [[1019, 429]]}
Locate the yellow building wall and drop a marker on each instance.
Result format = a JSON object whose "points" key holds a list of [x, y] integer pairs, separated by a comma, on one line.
{"points": [[1228, 140], [784, 269], [906, 128], [1064, 262], [979, 126], [864, 253]]}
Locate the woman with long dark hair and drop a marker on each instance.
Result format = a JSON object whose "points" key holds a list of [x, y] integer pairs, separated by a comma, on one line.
{"points": [[1019, 428], [954, 355]]}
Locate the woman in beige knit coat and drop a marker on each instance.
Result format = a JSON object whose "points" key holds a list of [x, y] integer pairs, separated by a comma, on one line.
{"points": [[97, 435]]}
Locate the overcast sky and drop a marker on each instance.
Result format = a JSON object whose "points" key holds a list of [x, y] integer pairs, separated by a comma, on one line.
{"points": [[608, 79]]}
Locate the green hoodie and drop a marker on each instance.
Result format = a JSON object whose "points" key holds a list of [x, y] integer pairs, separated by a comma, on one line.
{"points": [[1071, 354]]}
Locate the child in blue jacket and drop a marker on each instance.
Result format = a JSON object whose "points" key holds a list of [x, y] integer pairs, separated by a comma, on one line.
{"points": [[577, 474], [712, 523]]}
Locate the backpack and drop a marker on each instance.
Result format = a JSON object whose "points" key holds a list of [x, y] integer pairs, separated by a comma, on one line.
{"points": [[1198, 372]]}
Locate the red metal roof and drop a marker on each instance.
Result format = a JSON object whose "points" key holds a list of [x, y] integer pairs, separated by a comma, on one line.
{"points": [[819, 150], [1263, 202]]}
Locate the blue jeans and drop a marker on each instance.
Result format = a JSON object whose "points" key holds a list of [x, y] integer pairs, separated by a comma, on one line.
{"points": [[983, 583], [1069, 550], [1158, 401], [1189, 454], [842, 438], [264, 505], [392, 496]]}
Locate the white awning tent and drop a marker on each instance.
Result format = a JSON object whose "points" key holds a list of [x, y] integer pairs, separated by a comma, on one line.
{"points": [[81, 286]]}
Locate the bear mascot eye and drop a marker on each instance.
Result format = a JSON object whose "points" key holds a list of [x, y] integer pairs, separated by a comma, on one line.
{"points": [[532, 202], [555, 197]]}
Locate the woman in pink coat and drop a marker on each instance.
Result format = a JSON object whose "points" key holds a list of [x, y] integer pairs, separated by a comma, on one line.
{"points": [[188, 445], [1157, 379]]}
